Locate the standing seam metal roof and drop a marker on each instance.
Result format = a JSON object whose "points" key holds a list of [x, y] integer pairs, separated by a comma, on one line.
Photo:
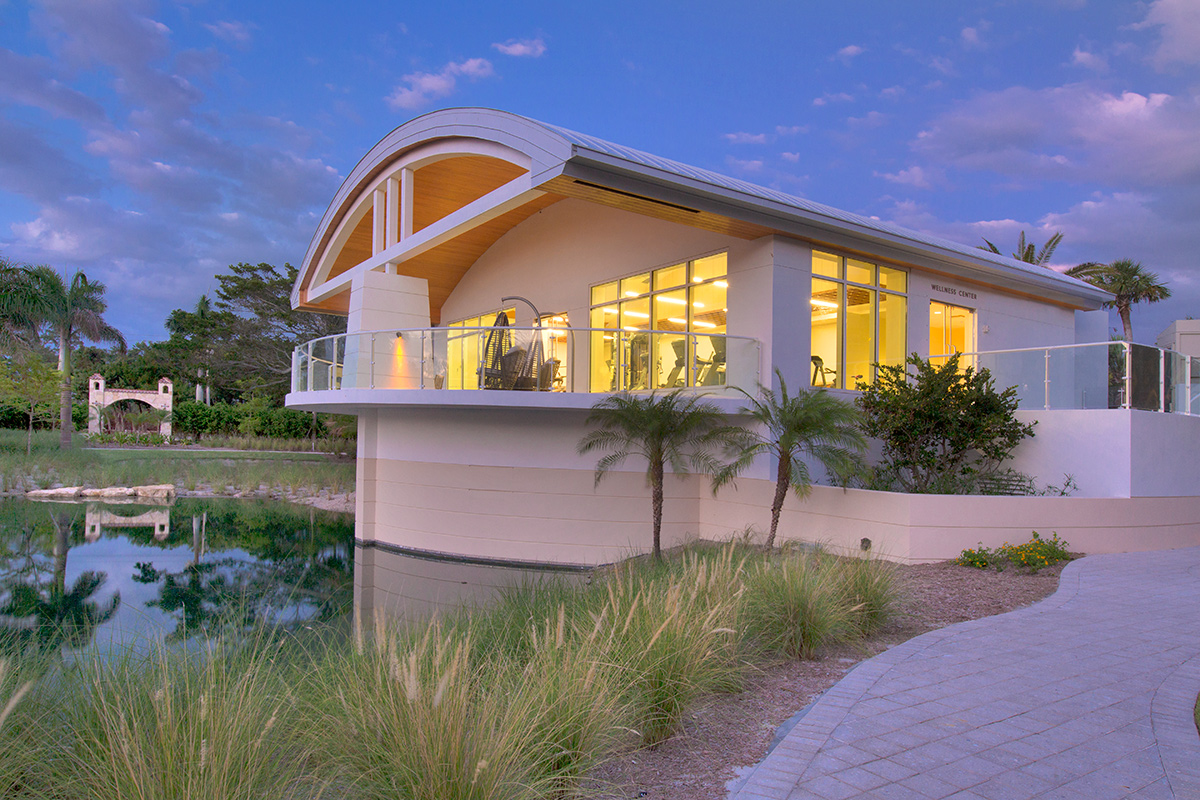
{"points": [[716, 179]]}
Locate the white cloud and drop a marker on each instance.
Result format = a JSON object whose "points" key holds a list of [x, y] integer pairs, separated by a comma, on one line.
{"points": [[424, 87], [1072, 132], [1179, 24], [1082, 58], [790, 130], [743, 165], [872, 119], [839, 97], [233, 32], [970, 38], [792, 157], [892, 92], [914, 176], [849, 52], [529, 48], [741, 137]]}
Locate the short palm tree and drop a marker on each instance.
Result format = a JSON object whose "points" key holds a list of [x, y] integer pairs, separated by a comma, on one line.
{"points": [[71, 312], [812, 424], [1028, 251], [1128, 280], [677, 429]]}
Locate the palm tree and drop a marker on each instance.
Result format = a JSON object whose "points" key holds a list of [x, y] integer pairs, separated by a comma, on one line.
{"points": [[1028, 252], [674, 429], [1128, 280], [71, 312], [812, 423]]}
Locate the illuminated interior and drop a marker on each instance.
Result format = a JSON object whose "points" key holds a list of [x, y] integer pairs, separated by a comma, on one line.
{"points": [[859, 319], [661, 328], [951, 330]]}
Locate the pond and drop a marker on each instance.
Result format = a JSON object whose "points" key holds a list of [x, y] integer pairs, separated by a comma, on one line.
{"points": [[86, 577], [96, 576]]}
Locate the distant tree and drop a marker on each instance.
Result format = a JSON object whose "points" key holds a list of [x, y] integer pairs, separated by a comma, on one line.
{"points": [[810, 423], [1129, 281], [262, 326], [678, 430], [1028, 252], [943, 427], [70, 313], [28, 381]]}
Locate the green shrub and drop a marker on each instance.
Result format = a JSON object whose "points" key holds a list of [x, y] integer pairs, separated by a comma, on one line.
{"points": [[870, 585], [1033, 555]]}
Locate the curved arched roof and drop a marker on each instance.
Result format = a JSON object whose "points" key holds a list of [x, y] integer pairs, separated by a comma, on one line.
{"points": [[569, 163]]}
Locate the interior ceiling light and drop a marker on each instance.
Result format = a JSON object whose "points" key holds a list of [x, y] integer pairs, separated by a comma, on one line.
{"points": [[823, 303]]}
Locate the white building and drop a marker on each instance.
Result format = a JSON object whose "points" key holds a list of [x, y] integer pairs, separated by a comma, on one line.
{"points": [[623, 270]]}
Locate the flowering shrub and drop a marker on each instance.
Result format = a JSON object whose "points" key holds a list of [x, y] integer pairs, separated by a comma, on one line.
{"points": [[1033, 555]]}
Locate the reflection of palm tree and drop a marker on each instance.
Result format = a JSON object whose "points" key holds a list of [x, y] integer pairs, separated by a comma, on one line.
{"points": [[62, 615]]}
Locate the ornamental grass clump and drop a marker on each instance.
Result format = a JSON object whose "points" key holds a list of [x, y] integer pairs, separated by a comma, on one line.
{"points": [[410, 717], [674, 638], [19, 757], [870, 586], [221, 724], [798, 604]]}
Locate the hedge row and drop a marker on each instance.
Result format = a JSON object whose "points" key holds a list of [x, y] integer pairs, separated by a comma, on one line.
{"points": [[195, 419]]}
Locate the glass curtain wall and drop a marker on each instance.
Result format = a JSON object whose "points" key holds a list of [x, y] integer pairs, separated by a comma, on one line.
{"points": [[859, 319], [673, 302]]}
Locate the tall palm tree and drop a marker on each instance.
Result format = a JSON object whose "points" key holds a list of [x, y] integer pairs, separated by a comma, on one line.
{"points": [[676, 429], [811, 423], [71, 312], [1028, 251], [1128, 280]]}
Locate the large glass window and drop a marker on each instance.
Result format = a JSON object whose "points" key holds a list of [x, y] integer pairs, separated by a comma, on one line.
{"points": [[661, 328], [859, 319], [464, 346]]}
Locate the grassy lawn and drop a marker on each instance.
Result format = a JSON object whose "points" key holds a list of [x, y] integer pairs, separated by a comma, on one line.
{"points": [[223, 471]]}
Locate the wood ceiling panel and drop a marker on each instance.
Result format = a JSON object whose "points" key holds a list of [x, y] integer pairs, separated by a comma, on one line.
{"points": [[357, 248], [444, 266], [445, 186], [571, 187]]}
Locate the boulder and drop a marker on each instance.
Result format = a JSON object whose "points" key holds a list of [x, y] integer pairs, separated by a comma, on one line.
{"points": [[62, 491], [160, 490]]}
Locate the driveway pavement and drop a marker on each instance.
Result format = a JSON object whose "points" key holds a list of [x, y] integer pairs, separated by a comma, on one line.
{"points": [[1087, 695]]}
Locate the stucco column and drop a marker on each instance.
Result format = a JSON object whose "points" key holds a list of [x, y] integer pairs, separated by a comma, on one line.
{"points": [[387, 360]]}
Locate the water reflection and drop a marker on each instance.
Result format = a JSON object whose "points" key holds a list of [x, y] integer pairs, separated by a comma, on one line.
{"points": [[410, 586], [77, 576]]}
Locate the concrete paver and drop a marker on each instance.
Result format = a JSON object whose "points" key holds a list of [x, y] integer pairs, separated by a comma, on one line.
{"points": [[1087, 694]]}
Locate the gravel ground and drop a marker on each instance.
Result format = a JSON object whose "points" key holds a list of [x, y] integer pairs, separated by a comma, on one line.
{"points": [[727, 732]]}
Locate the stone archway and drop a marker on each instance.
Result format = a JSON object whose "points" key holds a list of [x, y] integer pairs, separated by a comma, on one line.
{"points": [[100, 397]]}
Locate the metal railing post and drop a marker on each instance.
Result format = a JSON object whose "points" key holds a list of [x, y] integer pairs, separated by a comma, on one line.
{"points": [[309, 376], [422, 358], [1047, 382], [295, 369], [1162, 381], [693, 376], [371, 379], [1187, 406], [1128, 375]]}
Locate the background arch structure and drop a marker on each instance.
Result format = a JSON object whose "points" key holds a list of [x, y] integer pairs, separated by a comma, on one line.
{"points": [[101, 397]]}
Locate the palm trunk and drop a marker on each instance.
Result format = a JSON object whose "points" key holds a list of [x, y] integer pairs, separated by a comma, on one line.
{"points": [[66, 427], [1125, 320], [656, 495], [782, 479], [29, 437]]}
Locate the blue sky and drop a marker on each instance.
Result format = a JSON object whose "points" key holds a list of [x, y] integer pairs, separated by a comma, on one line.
{"points": [[154, 143]]}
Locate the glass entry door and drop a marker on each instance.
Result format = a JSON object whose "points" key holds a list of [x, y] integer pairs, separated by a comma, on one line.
{"points": [[951, 330]]}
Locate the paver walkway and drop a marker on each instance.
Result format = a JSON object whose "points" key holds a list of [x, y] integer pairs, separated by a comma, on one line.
{"points": [[1087, 695]]}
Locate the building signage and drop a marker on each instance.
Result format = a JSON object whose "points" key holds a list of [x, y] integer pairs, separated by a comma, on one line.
{"points": [[937, 287]]}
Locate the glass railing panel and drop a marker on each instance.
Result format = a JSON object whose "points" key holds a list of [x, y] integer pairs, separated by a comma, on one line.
{"points": [[328, 358], [1024, 369], [711, 360], [1078, 377], [742, 368], [1194, 383], [1145, 377], [1175, 379]]}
